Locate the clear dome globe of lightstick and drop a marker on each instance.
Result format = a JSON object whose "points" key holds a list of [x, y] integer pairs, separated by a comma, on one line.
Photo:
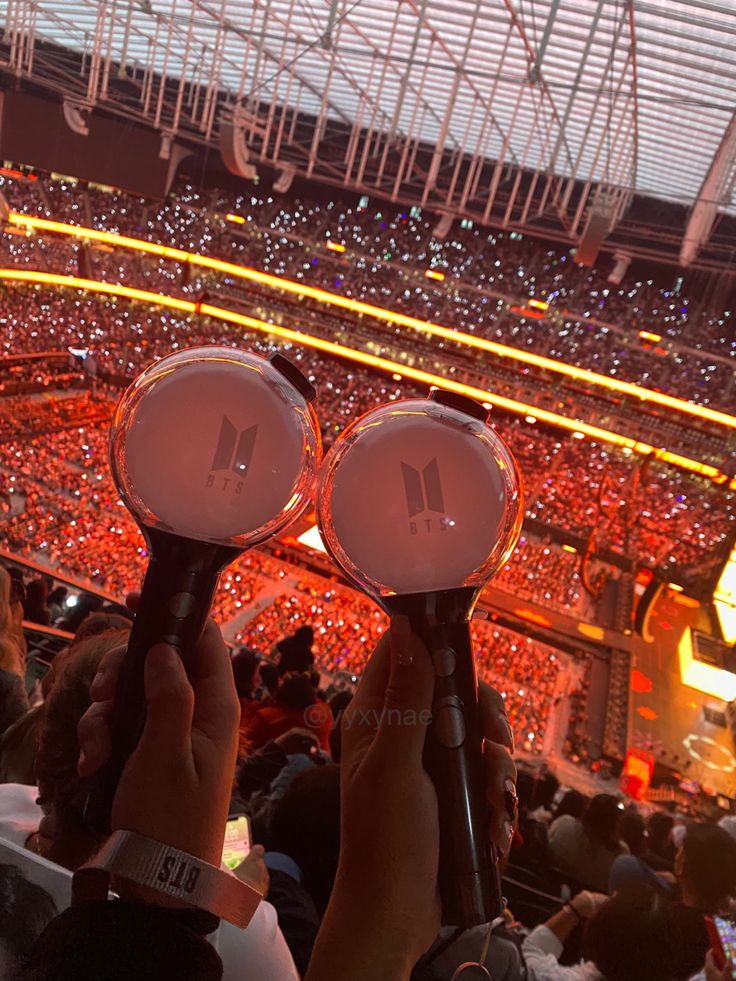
{"points": [[213, 450], [420, 502]]}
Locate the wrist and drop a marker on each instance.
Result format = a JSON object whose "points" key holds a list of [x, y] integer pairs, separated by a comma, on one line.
{"points": [[574, 910], [357, 942]]}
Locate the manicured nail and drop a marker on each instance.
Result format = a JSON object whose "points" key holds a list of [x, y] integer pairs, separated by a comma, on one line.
{"points": [[510, 799]]}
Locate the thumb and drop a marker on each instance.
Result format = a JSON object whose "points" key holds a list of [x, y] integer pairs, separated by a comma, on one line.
{"points": [[169, 706], [407, 709]]}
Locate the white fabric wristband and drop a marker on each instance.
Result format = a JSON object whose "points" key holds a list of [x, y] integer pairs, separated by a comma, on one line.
{"points": [[169, 871]]}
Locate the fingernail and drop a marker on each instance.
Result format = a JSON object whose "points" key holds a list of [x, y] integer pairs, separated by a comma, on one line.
{"points": [[401, 641], [511, 801], [508, 830]]}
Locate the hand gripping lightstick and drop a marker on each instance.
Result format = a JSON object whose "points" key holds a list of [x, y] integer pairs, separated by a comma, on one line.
{"points": [[213, 450], [420, 503]]}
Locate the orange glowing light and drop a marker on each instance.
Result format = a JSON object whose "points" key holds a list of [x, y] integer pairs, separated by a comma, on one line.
{"points": [[647, 713], [591, 630], [433, 274], [236, 219], [569, 548], [335, 246], [648, 336], [640, 683], [532, 617], [379, 313], [579, 429], [538, 304]]}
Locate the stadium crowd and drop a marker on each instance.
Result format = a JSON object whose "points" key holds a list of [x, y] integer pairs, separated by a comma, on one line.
{"points": [[638, 880], [487, 278]]}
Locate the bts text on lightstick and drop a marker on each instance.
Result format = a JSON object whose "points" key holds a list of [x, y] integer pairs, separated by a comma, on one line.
{"points": [[420, 502], [213, 450]]}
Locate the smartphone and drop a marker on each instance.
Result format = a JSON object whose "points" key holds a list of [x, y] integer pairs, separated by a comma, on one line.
{"points": [[722, 934], [237, 841]]}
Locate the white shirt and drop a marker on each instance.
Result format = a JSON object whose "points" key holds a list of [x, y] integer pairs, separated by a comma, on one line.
{"points": [[542, 950], [259, 951]]}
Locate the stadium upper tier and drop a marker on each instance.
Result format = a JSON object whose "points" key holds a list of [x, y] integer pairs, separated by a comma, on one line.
{"points": [[481, 283]]}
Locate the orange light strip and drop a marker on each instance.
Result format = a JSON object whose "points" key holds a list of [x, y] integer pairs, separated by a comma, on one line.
{"points": [[335, 246], [379, 313], [539, 304], [574, 426], [433, 274], [236, 219]]}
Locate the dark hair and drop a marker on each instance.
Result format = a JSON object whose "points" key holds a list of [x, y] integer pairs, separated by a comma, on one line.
{"points": [[296, 691], [632, 831], [295, 651], [339, 702], [305, 824], [640, 935], [25, 910], [100, 623], [62, 790], [659, 829], [57, 594], [245, 669], [709, 865], [601, 821], [86, 605], [270, 677], [572, 803]]}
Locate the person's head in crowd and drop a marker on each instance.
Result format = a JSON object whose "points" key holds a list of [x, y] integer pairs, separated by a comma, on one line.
{"points": [[573, 803], [245, 672], [659, 834], [305, 825], [36, 603], [705, 867], [632, 831], [640, 935], [544, 791], [25, 911], [63, 836], [295, 651], [100, 623], [17, 586], [76, 614], [295, 691], [56, 599], [602, 819], [339, 702], [269, 677]]}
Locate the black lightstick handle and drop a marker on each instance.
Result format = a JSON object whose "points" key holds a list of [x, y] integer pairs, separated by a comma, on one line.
{"points": [[174, 604], [469, 881], [468, 875]]}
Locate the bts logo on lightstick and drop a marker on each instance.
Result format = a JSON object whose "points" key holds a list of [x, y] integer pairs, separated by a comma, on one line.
{"points": [[227, 457], [423, 491], [232, 457]]}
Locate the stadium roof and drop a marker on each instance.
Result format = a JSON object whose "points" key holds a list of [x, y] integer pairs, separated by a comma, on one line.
{"points": [[638, 95]]}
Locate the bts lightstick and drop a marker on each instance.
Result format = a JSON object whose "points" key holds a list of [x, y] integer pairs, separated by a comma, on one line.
{"points": [[213, 450], [420, 503]]}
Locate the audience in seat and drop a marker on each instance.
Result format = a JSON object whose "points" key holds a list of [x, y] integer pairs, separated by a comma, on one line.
{"points": [[586, 849]]}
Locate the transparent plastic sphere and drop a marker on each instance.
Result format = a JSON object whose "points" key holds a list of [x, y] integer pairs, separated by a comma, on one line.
{"points": [[417, 496], [217, 445]]}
